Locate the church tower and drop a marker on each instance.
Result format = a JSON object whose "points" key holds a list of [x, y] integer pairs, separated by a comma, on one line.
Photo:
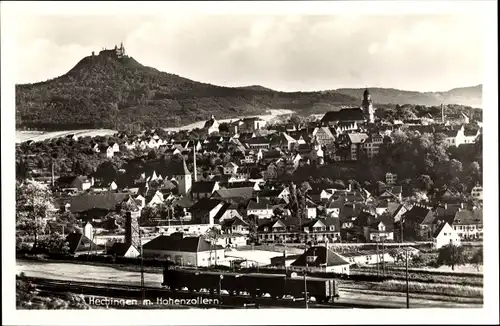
{"points": [[367, 106], [184, 180]]}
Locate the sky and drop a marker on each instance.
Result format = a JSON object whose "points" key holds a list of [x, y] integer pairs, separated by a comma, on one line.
{"points": [[288, 52]]}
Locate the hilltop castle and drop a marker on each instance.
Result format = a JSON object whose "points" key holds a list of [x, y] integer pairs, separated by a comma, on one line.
{"points": [[117, 52]]}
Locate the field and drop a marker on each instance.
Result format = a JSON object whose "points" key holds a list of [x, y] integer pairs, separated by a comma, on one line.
{"points": [[272, 114], [22, 136]]}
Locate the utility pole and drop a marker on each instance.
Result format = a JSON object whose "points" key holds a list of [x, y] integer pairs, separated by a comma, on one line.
{"points": [[407, 278], [142, 267], [377, 261], [383, 257], [305, 287], [407, 282]]}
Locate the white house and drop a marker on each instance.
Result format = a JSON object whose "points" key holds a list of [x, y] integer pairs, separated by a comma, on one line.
{"points": [[320, 258], [115, 147], [391, 178], [231, 168], [211, 126], [367, 257], [155, 199], [311, 209], [231, 240], [184, 250], [477, 192], [260, 207], [378, 231], [110, 152], [445, 235]]}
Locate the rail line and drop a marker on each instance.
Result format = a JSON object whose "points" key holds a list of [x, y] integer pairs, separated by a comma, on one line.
{"points": [[125, 291]]}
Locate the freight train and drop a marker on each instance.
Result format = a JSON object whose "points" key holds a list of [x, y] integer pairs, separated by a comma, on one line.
{"points": [[277, 286]]}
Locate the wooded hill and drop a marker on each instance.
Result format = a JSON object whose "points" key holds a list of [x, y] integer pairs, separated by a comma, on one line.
{"points": [[120, 93]]}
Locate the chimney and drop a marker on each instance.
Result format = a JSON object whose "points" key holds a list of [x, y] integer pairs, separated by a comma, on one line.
{"points": [[445, 205], [442, 113]]}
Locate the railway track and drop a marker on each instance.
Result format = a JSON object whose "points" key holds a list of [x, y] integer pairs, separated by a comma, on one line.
{"points": [[161, 296]]}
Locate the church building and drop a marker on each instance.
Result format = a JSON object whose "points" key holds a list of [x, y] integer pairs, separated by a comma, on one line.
{"points": [[358, 115]]}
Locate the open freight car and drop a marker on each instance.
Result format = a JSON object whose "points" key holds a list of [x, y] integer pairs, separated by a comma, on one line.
{"points": [[255, 284]]}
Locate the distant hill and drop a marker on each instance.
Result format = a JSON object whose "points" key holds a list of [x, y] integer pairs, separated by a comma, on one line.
{"points": [[470, 96], [257, 88], [106, 91]]}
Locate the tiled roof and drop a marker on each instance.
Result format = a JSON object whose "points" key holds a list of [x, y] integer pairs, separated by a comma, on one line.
{"points": [[77, 242], [203, 186], [205, 204], [321, 253], [351, 114], [418, 214], [357, 138], [178, 243], [245, 192], [262, 204], [107, 201], [258, 140], [467, 217]]}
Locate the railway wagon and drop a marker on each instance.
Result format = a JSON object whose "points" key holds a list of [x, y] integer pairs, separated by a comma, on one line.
{"points": [[254, 284]]}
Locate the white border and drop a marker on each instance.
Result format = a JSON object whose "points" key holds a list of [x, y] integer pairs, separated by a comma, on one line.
{"points": [[489, 314]]}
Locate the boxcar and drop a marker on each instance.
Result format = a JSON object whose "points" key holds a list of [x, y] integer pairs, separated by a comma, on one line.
{"points": [[255, 284]]}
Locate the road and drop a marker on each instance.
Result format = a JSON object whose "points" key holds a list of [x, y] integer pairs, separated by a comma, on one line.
{"points": [[104, 274]]}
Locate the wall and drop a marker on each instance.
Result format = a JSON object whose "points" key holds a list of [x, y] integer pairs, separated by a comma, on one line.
{"points": [[188, 258]]}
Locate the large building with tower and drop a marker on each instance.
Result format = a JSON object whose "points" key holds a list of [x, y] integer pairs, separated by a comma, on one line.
{"points": [[364, 113]]}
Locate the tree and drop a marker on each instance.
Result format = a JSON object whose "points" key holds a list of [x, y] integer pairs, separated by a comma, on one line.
{"points": [[106, 171], [278, 211], [425, 182], [451, 255], [212, 235], [65, 222], [34, 206], [223, 127], [55, 242], [477, 258]]}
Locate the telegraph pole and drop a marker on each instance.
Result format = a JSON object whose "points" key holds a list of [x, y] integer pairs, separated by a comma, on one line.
{"points": [[407, 279], [378, 261], [407, 283], [142, 267], [305, 287], [383, 257]]}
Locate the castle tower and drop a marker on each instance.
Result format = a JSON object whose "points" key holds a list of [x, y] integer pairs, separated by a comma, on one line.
{"points": [[367, 106], [184, 179]]}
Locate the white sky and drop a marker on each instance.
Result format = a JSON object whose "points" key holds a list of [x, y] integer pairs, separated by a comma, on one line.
{"points": [[291, 51]]}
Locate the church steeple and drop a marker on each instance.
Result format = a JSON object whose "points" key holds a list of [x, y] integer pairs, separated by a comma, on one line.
{"points": [[366, 95], [367, 106]]}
